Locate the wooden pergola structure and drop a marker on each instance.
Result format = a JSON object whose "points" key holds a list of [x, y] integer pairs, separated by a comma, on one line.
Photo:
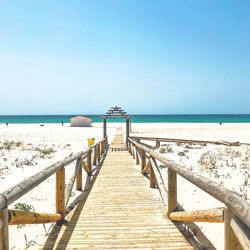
{"points": [[116, 112]]}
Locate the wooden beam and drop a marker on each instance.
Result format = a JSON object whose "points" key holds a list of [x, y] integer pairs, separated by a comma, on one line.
{"points": [[85, 167], [208, 215], [172, 191], [241, 232], [60, 192], [23, 217], [4, 229]]}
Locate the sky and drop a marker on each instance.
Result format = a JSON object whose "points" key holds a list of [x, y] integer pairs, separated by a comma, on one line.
{"points": [[147, 56]]}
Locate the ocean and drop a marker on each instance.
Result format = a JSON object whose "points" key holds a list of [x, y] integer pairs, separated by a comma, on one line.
{"points": [[135, 118]]}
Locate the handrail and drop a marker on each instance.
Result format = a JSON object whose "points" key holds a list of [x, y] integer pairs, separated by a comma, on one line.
{"points": [[148, 138], [15, 192], [18, 190], [236, 216], [232, 200]]}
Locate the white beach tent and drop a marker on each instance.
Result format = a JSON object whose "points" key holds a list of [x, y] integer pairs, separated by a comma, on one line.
{"points": [[80, 121]]}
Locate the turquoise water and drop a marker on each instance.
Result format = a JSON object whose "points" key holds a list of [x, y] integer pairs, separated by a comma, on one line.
{"points": [[135, 118]]}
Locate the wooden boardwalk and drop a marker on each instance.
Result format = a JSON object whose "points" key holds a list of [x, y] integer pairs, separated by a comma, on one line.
{"points": [[121, 212]]}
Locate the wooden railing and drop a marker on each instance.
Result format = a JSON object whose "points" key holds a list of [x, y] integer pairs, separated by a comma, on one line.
{"points": [[84, 159], [158, 140], [236, 214]]}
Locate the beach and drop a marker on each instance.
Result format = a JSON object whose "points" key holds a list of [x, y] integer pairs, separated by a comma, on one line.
{"points": [[28, 148]]}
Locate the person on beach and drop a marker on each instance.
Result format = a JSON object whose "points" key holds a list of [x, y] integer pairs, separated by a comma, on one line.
{"points": [[62, 124], [7, 124]]}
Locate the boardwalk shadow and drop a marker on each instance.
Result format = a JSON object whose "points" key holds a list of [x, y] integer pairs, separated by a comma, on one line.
{"points": [[52, 241], [193, 234]]}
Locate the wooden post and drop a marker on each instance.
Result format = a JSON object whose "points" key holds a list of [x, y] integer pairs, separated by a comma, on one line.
{"points": [[172, 191], [152, 179], [60, 192], [133, 151], [103, 147], [228, 232], [104, 128], [100, 150], [4, 230], [127, 131], [131, 148], [79, 179], [143, 159], [89, 165], [157, 143], [95, 157], [137, 156], [97, 154]]}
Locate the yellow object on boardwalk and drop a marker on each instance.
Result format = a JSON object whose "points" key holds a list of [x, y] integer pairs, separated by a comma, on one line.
{"points": [[91, 141]]}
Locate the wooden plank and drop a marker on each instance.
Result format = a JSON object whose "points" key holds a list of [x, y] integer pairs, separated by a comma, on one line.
{"points": [[208, 215]]}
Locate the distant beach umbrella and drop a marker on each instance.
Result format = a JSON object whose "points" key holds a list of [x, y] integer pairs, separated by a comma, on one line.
{"points": [[80, 121]]}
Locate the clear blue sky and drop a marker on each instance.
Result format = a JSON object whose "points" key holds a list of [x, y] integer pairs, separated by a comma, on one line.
{"points": [[148, 56]]}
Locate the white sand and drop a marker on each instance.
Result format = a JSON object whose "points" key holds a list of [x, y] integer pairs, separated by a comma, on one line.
{"points": [[66, 140]]}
